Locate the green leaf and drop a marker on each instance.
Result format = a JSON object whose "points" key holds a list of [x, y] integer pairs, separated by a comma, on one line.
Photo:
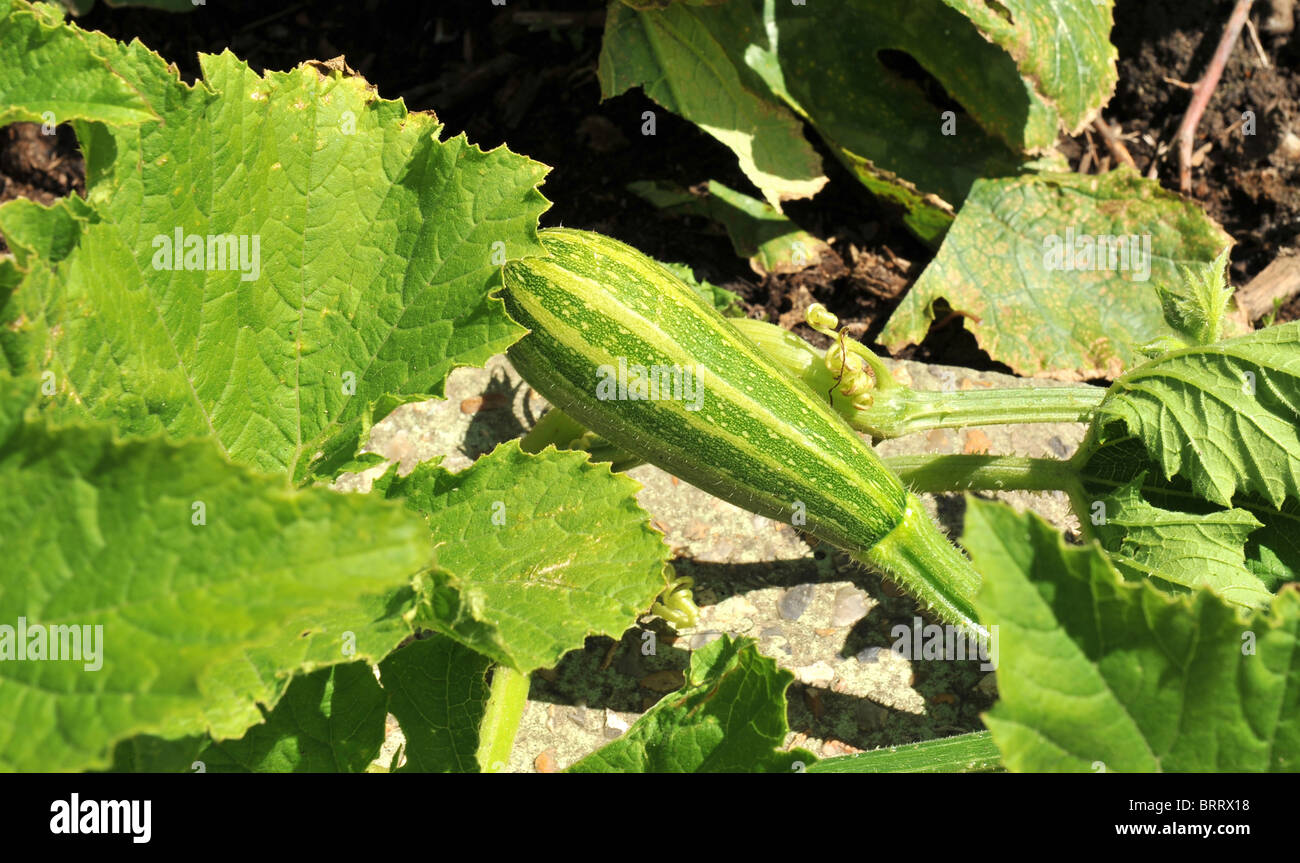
{"points": [[771, 242], [49, 74], [1063, 47], [191, 565], [1004, 263], [81, 7], [1095, 673], [438, 691], [683, 60], [540, 551], [1226, 416], [1196, 305], [859, 71], [728, 718], [726, 302], [964, 753], [149, 754], [371, 247], [331, 721], [1179, 548], [1272, 551]]}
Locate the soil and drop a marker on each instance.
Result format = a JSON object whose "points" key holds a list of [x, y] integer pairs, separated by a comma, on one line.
{"points": [[1249, 183], [501, 81]]}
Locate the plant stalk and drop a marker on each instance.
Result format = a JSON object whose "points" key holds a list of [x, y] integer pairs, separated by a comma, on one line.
{"points": [[922, 560], [505, 709], [947, 473], [936, 474], [906, 411]]}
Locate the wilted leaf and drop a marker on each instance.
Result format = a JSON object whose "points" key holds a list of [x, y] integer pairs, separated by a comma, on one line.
{"points": [[681, 57], [1060, 270]]}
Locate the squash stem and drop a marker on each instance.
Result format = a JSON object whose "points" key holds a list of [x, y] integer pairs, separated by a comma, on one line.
{"points": [[505, 710], [923, 561]]}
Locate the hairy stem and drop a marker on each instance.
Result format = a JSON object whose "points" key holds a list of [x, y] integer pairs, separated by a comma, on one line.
{"points": [[919, 558], [940, 473], [505, 709], [906, 411], [950, 473]]}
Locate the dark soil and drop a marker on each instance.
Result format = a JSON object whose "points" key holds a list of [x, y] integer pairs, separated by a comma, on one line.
{"points": [[1250, 183], [489, 75]]}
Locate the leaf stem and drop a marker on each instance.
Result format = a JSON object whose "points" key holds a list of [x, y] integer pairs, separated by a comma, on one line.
{"points": [[903, 410], [955, 473], [943, 473], [505, 709], [966, 753]]}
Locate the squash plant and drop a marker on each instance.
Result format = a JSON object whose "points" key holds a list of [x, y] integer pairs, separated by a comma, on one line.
{"points": [[171, 422]]}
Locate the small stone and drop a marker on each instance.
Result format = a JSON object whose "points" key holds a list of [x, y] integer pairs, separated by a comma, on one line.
{"points": [[795, 601], [700, 639], [869, 656], [825, 631], [819, 673], [668, 680], [772, 632], [833, 748], [938, 441], [1289, 148], [988, 685], [545, 762], [614, 724], [578, 716], [1058, 446], [487, 401], [850, 607], [977, 443]]}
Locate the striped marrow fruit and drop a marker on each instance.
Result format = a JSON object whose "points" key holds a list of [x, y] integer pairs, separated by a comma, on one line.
{"points": [[620, 344]]}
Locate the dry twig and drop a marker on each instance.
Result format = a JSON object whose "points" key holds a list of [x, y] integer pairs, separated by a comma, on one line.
{"points": [[1204, 89]]}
